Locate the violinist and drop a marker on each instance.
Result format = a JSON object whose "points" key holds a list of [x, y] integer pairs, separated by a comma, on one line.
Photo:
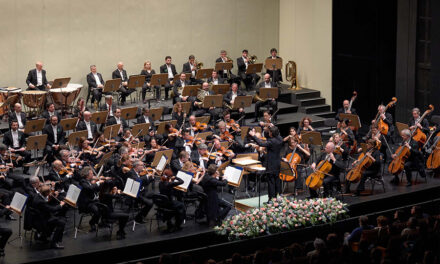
{"points": [[219, 153], [294, 147], [193, 126], [154, 147], [138, 167], [423, 125], [231, 125], [177, 164], [61, 176], [88, 153], [387, 118], [189, 144], [123, 166], [166, 187], [222, 133], [271, 102], [414, 162], [178, 114], [9, 180], [88, 198], [15, 140], [88, 125], [127, 136], [333, 175], [341, 147], [173, 139], [200, 157], [371, 172]]}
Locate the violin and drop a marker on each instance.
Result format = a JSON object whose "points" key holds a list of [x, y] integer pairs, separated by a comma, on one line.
{"points": [[315, 180], [226, 136], [201, 126], [66, 170], [221, 152], [397, 165], [147, 171], [233, 125], [417, 133], [363, 162], [381, 125]]}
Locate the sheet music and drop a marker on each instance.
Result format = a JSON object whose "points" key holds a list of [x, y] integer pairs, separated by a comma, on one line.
{"points": [[73, 193], [162, 162], [186, 177], [132, 187], [233, 174], [18, 202]]}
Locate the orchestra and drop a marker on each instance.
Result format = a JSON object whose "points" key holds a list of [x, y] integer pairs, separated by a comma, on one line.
{"points": [[102, 164]]}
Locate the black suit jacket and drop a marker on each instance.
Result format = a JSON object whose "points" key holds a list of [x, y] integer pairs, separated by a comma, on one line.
{"points": [[424, 123], [274, 146], [220, 73], [50, 136], [91, 81], [241, 67], [82, 126], [117, 75], [148, 75], [178, 84], [46, 116], [32, 77], [272, 84], [13, 116], [228, 96], [112, 121], [342, 111], [220, 80], [47, 210], [187, 68], [7, 139], [87, 194], [164, 69], [175, 166], [279, 74]]}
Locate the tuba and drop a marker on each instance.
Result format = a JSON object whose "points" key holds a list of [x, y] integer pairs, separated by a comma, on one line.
{"points": [[291, 75]]}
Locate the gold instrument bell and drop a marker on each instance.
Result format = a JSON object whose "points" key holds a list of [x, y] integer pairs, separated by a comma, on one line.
{"points": [[199, 65], [291, 75], [252, 59]]}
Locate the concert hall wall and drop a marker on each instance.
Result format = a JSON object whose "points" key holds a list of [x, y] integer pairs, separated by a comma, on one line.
{"points": [[69, 36]]}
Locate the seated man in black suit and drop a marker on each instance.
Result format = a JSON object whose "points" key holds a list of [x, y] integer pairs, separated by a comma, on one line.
{"points": [[198, 105], [230, 96], [170, 69], [177, 164], [122, 74], [225, 74], [36, 79], [215, 79], [108, 106], [277, 77], [345, 109], [86, 200], [134, 174], [272, 102], [89, 125], [191, 67], [117, 119], [49, 112], [19, 116], [55, 138], [178, 89], [96, 84], [15, 140], [242, 64]]}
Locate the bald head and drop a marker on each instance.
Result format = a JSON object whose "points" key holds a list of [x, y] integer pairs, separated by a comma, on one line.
{"points": [[87, 116], [205, 86], [329, 147], [39, 65], [17, 107], [120, 65]]}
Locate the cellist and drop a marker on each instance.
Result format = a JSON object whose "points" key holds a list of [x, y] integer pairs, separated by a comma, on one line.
{"points": [[295, 147], [415, 160], [371, 171]]}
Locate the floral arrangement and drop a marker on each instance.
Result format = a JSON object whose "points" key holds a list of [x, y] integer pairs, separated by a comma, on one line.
{"points": [[282, 214]]}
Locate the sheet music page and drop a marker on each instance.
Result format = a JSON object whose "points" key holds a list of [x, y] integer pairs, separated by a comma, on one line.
{"points": [[132, 187], [18, 201], [128, 186], [162, 162], [73, 193], [186, 177], [233, 174]]}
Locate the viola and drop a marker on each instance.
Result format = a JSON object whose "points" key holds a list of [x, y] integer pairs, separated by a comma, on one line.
{"points": [[147, 171], [226, 136]]}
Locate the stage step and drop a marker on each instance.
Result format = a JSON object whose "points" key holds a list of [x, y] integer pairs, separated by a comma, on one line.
{"points": [[311, 101], [328, 114], [284, 108], [307, 94], [316, 109]]}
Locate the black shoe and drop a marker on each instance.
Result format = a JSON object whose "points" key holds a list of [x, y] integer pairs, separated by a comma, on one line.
{"points": [[10, 218], [408, 184], [57, 245]]}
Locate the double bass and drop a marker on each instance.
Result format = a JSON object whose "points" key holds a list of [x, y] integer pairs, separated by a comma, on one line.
{"points": [[315, 180], [381, 125], [363, 162], [416, 133]]}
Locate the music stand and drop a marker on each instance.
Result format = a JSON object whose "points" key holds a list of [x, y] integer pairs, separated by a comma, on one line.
{"points": [[161, 126], [168, 154], [99, 117], [191, 90], [111, 86], [274, 65], [204, 135], [203, 119], [354, 120], [268, 93], [135, 81], [60, 83], [223, 66], [177, 77], [185, 107], [73, 138], [129, 113], [104, 159], [254, 68], [213, 101], [69, 123], [242, 101], [156, 113], [142, 129], [34, 125], [114, 129], [220, 88], [36, 143], [401, 126], [311, 137], [204, 73]]}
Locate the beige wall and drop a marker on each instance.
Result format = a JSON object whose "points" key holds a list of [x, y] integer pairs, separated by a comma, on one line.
{"points": [[70, 35], [306, 38]]}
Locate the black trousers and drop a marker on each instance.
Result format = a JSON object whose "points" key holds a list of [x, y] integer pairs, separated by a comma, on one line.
{"points": [[250, 80], [411, 166], [124, 91], [97, 95], [167, 87], [273, 184], [93, 209], [361, 186], [56, 225], [180, 212], [328, 183], [147, 203], [122, 220], [26, 159], [5, 234], [145, 88]]}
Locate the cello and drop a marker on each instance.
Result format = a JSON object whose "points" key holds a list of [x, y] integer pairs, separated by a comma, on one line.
{"points": [[315, 180], [416, 133], [381, 125], [363, 162], [293, 159], [402, 154]]}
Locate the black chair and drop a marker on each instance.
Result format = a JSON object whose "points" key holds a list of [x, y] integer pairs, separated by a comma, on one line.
{"points": [[163, 212], [32, 222], [105, 218], [435, 119]]}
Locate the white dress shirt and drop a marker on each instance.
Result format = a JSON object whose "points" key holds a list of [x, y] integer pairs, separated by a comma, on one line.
{"points": [[89, 129], [244, 59], [15, 142], [55, 136], [234, 94], [147, 120], [98, 81], [118, 120], [215, 81], [20, 122], [39, 78], [170, 72], [122, 75], [110, 110], [267, 85]]}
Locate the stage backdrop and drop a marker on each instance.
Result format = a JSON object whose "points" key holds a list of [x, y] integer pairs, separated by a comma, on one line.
{"points": [[69, 36]]}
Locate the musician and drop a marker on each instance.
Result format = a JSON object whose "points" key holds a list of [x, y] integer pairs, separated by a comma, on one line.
{"points": [[18, 115], [36, 79], [273, 144], [122, 74], [173, 139], [200, 157], [188, 145], [88, 198], [370, 172], [117, 119], [58, 175], [80, 108], [277, 77], [166, 187], [50, 111], [15, 140], [191, 67], [333, 175], [226, 74], [89, 154], [266, 123], [55, 138], [177, 164], [191, 125], [305, 125], [216, 209], [229, 98], [387, 118], [294, 147], [178, 115], [242, 64], [423, 125], [215, 79], [341, 148], [145, 117], [51, 221], [96, 84], [292, 134], [148, 72], [345, 109], [5, 234], [89, 125], [415, 160], [198, 106], [109, 106], [178, 89], [227, 120], [345, 132], [138, 166], [271, 102], [170, 69]]}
